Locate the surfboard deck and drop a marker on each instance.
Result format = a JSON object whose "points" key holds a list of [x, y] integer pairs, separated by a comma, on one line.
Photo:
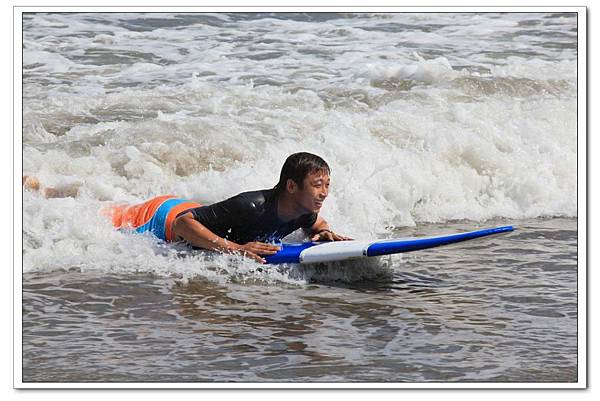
{"points": [[316, 252]]}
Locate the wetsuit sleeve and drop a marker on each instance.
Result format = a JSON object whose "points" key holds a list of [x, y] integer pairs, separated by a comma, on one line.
{"points": [[222, 216]]}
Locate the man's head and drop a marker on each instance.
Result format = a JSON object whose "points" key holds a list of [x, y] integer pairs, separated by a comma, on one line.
{"points": [[306, 177]]}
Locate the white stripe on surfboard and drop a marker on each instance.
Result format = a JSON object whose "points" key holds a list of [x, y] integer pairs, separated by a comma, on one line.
{"points": [[342, 250], [331, 251]]}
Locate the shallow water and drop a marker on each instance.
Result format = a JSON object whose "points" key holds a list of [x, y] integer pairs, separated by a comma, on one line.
{"points": [[431, 123], [500, 309]]}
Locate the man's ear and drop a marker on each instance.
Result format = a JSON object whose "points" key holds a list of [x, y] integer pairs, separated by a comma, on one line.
{"points": [[291, 186]]}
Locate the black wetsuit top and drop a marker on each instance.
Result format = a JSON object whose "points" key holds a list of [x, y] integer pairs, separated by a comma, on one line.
{"points": [[250, 216]]}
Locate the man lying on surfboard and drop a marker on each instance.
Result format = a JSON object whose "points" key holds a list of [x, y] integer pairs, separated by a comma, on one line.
{"points": [[242, 224]]}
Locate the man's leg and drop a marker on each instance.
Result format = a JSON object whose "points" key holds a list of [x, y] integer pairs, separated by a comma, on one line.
{"points": [[66, 191]]}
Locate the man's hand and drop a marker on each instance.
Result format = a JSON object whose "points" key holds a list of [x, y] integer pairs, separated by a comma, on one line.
{"points": [[326, 235], [252, 250], [195, 233]]}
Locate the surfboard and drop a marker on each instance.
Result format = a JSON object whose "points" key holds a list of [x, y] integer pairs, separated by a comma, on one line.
{"points": [[315, 252]]}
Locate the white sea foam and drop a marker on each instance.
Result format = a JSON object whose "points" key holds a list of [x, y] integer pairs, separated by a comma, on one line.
{"points": [[423, 118], [423, 71]]}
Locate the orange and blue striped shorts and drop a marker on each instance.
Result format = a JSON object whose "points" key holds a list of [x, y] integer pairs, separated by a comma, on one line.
{"points": [[156, 215]]}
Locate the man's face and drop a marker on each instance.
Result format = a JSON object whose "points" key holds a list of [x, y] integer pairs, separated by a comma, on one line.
{"points": [[314, 191]]}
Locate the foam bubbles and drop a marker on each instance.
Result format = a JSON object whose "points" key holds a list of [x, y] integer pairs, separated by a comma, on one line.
{"points": [[423, 71], [423, 118]]}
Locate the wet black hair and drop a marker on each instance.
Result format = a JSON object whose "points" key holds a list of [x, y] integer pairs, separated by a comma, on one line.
{"points": [[298, 166]]}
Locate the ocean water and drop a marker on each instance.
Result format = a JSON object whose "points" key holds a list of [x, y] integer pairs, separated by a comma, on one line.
{"points": [[432, 123]]}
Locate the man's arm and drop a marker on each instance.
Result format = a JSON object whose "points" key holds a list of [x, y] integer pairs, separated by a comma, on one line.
{"points": [[320, 232], [194, 232]]}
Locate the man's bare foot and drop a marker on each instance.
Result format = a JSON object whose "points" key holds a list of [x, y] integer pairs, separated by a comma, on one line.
{"points": [[31, 183]]}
